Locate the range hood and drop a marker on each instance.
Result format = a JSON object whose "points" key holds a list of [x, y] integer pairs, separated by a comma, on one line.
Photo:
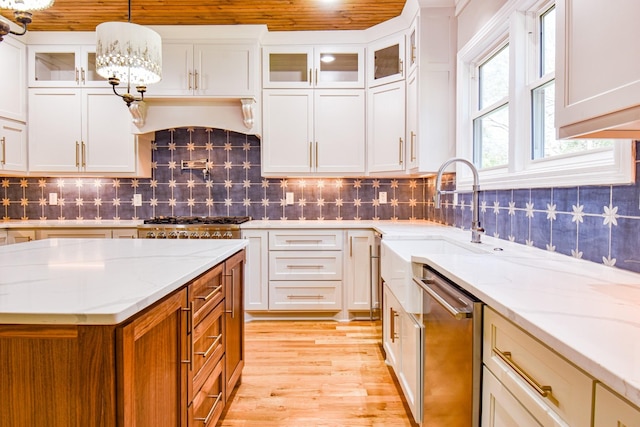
{"points": [[235, 114], [623, 124]]}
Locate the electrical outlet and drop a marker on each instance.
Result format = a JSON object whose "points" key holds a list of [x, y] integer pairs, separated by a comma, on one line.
{"points": [[455, 199], [289, 198], [382, 197], [53, 199], [137, 200]]}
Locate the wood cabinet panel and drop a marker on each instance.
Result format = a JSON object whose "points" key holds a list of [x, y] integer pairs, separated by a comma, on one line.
{"points": [[234, 320]]}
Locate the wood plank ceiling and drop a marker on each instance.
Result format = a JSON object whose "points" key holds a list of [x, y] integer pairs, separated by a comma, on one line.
{"points": [[278, 15]]}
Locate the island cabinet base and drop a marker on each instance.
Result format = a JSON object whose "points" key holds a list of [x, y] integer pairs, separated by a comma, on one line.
{"points": [[165, 367]]}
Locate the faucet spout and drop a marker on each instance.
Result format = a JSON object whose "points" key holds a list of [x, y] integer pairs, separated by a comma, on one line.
{"points": [[476, 229]]}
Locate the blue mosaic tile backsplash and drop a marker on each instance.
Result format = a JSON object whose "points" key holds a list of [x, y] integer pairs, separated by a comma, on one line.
{"points": [[596, 223]]}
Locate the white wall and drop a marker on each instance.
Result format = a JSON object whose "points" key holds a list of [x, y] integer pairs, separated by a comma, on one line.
{"points": [[474, 16]]}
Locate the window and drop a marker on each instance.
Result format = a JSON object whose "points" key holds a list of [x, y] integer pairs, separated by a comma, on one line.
{"points": [[491, 124], [543, 138], [506, 108]]}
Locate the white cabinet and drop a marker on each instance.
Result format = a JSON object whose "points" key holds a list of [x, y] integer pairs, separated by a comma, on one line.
{"points": [[73, 233], [208, 70], [360, 281], [612, 410], [551, 389], [597, 74], [500, 408], [256, 291], [304, 129], [63, 66], [402, 341], [124, 233], [385, 63], [313, 66], [430, 120], [386, 128], [20, 236], [4, 237], [13, 146], [13, 86], [80, 130], [305, 270]]}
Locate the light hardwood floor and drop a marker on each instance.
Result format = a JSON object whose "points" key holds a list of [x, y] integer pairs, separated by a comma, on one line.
{"points": [[309, 373]]}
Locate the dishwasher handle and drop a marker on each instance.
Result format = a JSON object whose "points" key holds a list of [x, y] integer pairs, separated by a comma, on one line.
{"points": [[455, 312]]}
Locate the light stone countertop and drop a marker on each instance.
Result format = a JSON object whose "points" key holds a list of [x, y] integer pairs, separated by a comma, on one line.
{"points": [[98, 281], [69, 223]]}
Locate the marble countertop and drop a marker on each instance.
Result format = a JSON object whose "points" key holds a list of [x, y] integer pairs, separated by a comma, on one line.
{"points": [[98, 281], [587, 312], [69, 223]]}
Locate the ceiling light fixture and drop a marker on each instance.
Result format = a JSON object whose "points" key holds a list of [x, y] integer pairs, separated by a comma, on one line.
{"points": [[22, 12], [129, 53]]}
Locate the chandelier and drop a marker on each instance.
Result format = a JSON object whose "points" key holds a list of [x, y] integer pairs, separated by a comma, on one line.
{"points": [[22, 13], [130, 54]]}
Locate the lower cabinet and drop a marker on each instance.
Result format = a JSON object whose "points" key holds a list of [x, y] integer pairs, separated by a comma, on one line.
{"points": [[172, 365], [521, 372], [4, 237], [612, 410], [72, 233], [361, 272], [20, 236]]}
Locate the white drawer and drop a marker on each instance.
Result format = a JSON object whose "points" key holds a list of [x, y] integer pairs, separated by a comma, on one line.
{"points": [[305, 265], [611, 410], [519, 361], [310, 295], [328, 240]]}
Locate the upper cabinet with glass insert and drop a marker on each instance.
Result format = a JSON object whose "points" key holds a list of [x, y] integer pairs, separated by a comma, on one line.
{"points": [[63, 66], [313, 67], [386, 60]]}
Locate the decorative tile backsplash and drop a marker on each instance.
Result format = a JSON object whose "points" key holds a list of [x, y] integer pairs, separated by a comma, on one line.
{"points": [[596, 223]]}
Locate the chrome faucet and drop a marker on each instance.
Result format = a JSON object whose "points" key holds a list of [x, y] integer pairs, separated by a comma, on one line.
{"points": [[476, 230]]}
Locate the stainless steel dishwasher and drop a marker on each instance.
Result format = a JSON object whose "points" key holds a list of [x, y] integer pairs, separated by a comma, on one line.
{"points": [[452, 353]]}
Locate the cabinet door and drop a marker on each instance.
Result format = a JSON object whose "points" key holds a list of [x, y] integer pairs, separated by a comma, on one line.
{"points": [[13, 146], [391, 325], [151, 351], [4, 237], [98, 233], [13, 85], [256, 290], [54, 143], [500, 408], [413, 38], [386, 60], [411, 154], [108, 144], [338, 67], [410, 376], [595, 74], [611, 410], [386, 115], [287, 129], [339, 130], [359, 281], [63, 66], [225, 70], [20, 236], [287, 67], [234, 320], [177, 71]]}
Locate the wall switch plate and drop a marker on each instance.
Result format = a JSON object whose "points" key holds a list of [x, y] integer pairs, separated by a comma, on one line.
{"points": [[137, 200], [53, 199], [289, 198], [382, 197]]}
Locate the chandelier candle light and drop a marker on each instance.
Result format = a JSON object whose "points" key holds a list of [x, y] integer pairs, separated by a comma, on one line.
{"points": [[22, 12], [128, 53]]}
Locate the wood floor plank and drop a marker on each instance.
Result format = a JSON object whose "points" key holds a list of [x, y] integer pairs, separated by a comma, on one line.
{"points": [[315, 374]]}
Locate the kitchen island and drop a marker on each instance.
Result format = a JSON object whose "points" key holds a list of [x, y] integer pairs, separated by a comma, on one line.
{"points": [[108, 332]]}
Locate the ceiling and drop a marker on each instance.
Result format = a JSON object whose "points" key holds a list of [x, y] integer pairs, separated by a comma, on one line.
{"points": [[278, 15]]}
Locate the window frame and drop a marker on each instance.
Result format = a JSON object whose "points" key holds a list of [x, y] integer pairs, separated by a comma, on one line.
{"points": [[517, 23]]}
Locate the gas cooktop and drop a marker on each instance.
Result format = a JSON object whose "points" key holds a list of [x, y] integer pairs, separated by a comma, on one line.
{"points": [[212, 220]]}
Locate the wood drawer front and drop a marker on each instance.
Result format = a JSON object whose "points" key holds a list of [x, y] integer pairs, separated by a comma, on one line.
{"points": [[206, 292], [328, 240], [209, 401], [571, 389], [611, 410], [208, 345], [307, 265], [311, 295]]}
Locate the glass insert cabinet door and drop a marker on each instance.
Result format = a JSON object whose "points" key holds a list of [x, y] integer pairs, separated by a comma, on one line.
{"points": [[386, 61], [313, 67], [63, 66]]}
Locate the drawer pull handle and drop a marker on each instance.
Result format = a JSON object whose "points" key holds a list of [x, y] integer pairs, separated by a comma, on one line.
{"points": [[305, 296], [210, 294], [542, 390], [213, 345], [303, 241], [206, 419], [304, 266]]}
